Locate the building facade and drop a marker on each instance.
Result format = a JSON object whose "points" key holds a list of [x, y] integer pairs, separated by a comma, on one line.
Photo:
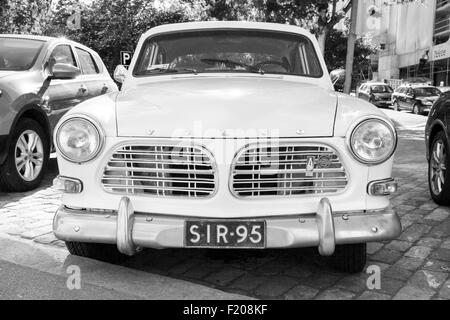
{"points": [[413, 37]]}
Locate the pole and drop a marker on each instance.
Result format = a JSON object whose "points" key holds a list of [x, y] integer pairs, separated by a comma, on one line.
{"points": [[351, 47]]}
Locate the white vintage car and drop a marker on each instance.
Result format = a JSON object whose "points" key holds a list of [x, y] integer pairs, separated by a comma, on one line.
{"points": [[226, 135]]}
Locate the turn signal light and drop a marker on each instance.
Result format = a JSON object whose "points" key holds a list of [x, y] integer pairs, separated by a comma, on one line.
{"points": [[67, 185], [382, 187]]}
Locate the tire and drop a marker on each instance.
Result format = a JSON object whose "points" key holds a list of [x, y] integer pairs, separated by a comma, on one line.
{"points": [[349, 258], [98, 251], [416, 109], [32, 159], [396, 106], [439, 190]]}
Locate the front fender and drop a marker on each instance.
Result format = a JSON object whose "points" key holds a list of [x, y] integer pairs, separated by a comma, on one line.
{"points": [[28, 103]]}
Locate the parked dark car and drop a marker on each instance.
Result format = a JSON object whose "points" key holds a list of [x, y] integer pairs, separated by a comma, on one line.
{"points": [[41, 78], [437, 133], [415, 98], [377, 93]]}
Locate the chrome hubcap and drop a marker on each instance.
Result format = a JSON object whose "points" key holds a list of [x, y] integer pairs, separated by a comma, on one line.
{"points": [[437, 167], [29, 155]]}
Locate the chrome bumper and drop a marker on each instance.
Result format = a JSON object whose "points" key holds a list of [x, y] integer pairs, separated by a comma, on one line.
{"points": [[129, 230]]}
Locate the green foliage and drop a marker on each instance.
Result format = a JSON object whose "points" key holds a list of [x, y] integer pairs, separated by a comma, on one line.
{"points": [[111, 26], [336, 51], [24, 16]]}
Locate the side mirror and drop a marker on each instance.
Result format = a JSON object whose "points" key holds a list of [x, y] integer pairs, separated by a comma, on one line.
{"points": [[120, 73], [65, 71]]}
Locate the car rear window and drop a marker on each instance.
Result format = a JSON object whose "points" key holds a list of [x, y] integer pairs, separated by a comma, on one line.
{"points": [[381, 89]]}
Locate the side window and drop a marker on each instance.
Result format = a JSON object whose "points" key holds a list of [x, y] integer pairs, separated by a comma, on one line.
{"points": [[63, 54], [88, 65]]}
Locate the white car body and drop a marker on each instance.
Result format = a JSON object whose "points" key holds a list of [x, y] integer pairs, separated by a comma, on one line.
{"points": [[224, 113]]}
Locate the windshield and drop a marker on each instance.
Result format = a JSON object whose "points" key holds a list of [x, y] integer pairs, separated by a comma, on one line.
{"points": [[229, 51], [381, 89], [427, 92], [18, 54]]}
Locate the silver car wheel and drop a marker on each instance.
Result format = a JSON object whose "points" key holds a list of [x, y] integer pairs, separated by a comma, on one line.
{"points": [[437, 167], [29, 155]]}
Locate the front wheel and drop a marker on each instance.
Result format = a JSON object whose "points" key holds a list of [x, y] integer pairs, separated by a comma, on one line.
{"points": [[396, 106], [27, 158], [350, 258], [98, 251], [437, 170], [416, 109]]}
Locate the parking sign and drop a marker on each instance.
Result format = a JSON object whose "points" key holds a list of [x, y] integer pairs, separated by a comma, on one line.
{"points": [[125, 57]]}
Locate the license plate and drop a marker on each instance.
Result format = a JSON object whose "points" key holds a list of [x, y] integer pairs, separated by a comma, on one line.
{"points": [[225, 234]]}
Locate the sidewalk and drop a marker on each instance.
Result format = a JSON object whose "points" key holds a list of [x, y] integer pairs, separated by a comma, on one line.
{"points": [[31, 271]]}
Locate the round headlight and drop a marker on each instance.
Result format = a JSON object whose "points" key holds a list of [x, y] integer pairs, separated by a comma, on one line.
{"points": [[373, 141], [78, 140]]}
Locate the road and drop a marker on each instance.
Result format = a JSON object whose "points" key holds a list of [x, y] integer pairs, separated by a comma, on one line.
{"points": [[414, 266]]}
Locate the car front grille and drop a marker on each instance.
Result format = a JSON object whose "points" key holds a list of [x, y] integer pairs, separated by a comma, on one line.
{"points": [[287, 170], [161, 170]]}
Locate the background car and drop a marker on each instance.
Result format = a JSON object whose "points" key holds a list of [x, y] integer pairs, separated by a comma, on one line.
{"points": [[377, 93], [437, 133], [417, 98], [41, 78]]}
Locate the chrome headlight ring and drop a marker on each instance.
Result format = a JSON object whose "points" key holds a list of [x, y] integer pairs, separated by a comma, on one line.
{"points": [[90, 123], [364, 122]]}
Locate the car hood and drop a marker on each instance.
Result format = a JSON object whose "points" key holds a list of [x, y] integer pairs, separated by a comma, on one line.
{"points": [[6, 73], [212, 107]]}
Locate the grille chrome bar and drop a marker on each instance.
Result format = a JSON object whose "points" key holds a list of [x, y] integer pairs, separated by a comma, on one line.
{"points": [[283, 171], [161, 171]]}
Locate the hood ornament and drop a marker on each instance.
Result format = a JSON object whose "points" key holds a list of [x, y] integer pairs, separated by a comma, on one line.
{"points": [[151, 132], [300, 131]]}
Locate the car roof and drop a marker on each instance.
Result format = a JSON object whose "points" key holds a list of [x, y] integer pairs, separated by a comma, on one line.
{"points": [[228, 25], [415, 86], [48, 40], [28, 36], [375, 84]]}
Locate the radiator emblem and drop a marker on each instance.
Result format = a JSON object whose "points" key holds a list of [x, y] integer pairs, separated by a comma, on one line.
{"points": [[324, 162], [309, 167]]}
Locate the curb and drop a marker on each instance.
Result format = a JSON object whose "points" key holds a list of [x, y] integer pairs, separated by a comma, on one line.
{"points": [[129, 282]]}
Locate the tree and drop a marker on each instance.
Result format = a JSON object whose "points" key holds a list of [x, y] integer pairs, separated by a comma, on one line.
{"points": [[24, 16], [111, 26], [318, 16], [335, 54]]}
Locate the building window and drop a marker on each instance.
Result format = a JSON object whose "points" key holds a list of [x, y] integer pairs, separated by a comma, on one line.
{"points": [[441, 23]]}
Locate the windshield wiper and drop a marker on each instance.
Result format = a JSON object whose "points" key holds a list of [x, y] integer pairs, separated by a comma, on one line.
{"points": [[170, 70], [233, 63]]}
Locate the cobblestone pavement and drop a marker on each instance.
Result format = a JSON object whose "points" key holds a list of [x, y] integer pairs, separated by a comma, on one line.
{"points": [[414, 266]]}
